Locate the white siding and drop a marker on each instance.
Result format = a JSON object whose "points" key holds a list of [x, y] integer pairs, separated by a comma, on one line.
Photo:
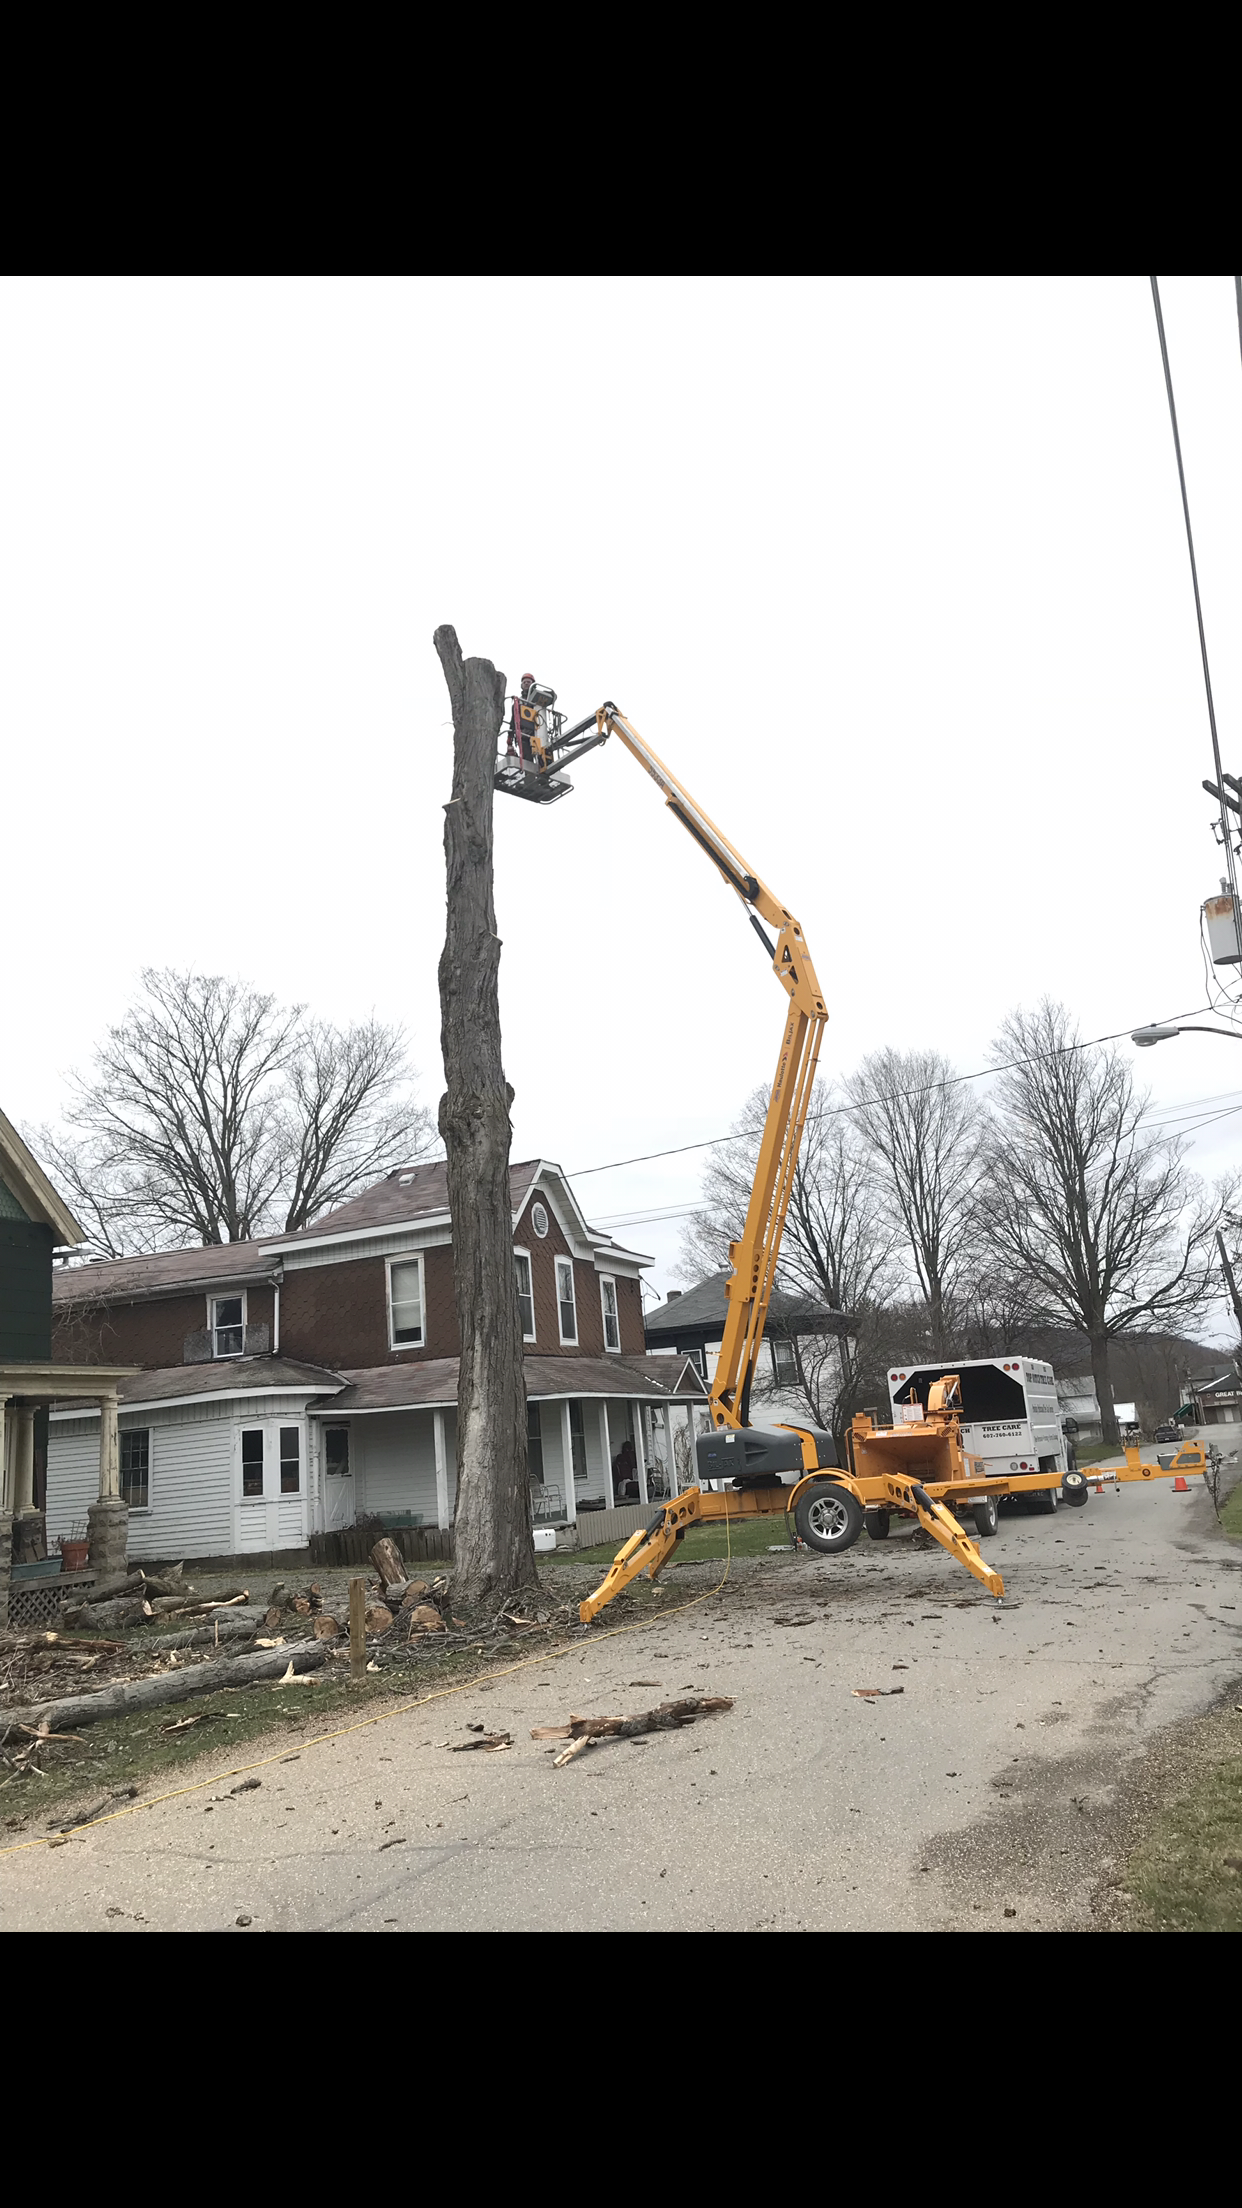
{"points": [[551, 1425], [394, 1459], [401, 1240], [193, 1467], [72, 1476]]}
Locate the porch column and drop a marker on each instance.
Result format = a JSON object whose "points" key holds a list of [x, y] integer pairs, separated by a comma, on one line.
{"points": [[444, 1517], [567, 1451], [606, 1445], [686, 1413], [109, 1450], [107, 1518], [23, 1458], [640, 1450], [6, 1495]]}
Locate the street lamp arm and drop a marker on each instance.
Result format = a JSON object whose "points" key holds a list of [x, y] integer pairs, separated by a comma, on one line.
{"points": [[1148, 1037]]}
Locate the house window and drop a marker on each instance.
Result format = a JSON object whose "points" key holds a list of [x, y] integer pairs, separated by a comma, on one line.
{"points": [[252, 1460], [577, 1443], [612, 1317], [526, 1294], [534, 1443], [136, 1467], [228, 1325], [539, 1220], [566, 1307], [698, 1358], [784, 1362], [290, 1460], [336, 1450], [405, 1304]]}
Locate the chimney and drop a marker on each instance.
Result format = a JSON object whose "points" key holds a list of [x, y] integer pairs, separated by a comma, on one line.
{"points": [[672, 1295]]}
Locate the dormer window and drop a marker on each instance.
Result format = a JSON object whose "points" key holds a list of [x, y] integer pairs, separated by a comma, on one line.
{"points": [[539, 1220]]}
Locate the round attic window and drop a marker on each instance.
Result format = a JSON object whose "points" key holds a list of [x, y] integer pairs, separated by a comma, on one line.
{"points": [[539, 1220]]}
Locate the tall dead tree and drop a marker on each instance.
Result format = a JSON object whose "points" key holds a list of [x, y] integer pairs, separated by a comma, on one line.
{"points": [[494, 1547]]}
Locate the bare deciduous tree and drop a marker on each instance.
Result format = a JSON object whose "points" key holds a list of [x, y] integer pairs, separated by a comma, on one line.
{"points": [[837, 1252], [1099, 1217], [923, 1132], [213, 1114]]}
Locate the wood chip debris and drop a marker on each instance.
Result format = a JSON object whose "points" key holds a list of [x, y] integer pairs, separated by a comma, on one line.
{"points": [[482, 1740], [869, 1694]]}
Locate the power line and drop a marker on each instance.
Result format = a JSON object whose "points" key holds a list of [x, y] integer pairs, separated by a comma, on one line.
{"points": [[1226, 833], [926, 1088], [661, 1214]]}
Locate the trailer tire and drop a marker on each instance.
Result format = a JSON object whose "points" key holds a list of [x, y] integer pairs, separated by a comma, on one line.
{"points": [[1074, 1489], [828, 1517], [877, 1523], [985, 1516]]}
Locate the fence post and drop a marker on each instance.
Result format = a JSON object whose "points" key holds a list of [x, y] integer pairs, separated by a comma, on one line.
{"points": [[357, 1629]]}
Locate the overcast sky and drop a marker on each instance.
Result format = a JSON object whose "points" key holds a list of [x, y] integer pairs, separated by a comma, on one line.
{"points": [[892, 573]]}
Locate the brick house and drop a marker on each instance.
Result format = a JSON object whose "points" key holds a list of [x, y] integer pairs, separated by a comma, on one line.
{"points": [[292, 1384]]}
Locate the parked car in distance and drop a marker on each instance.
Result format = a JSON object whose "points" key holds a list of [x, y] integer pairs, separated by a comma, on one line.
{"points": [[1168, 1433]]}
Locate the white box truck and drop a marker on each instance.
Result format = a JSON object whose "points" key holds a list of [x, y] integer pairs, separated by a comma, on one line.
{"points": [[1010, 1415]]}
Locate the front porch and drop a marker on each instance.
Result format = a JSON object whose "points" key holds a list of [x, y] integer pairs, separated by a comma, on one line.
{"points": [[594, 1445], [28, 1387]]}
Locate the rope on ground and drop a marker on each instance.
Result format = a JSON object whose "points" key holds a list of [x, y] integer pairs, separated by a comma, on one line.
{"points": [[360, 1725]]}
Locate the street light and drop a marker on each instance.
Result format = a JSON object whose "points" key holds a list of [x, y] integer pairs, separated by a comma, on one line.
{"points": [[1148, 1037]]}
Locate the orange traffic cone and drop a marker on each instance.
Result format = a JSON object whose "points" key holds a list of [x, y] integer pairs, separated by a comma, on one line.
{"points": [[1181, 1486], [1099, 1485]]}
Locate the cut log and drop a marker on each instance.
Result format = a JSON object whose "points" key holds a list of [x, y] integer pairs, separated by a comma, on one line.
{"points": [[326, 1629], [109, 1589], [197, 1636], [102, 1617], [424, 1618], [167, 1686], [389, 1562], [378, 1618], [172, 1584], [416, 1591]]}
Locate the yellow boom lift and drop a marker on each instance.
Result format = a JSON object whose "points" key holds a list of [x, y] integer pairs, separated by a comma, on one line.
{"points": [[914, 1470]]}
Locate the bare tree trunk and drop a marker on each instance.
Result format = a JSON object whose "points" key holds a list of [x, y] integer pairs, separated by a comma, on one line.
{"points": [[494, 1547], [1101, 1371]]}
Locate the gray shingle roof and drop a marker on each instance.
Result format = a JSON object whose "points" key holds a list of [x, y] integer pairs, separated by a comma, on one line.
{"points": [[705, 1307], [227, 1376], [433, 1383]]}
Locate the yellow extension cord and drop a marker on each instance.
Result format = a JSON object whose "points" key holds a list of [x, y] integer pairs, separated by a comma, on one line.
{"points": [[442, 1694]]}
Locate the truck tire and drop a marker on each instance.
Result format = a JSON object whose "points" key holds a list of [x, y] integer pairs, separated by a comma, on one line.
{"points": [[828, 1518], [877, 1523], [985, 1516], [1046, 1499], [1074, 1489]]}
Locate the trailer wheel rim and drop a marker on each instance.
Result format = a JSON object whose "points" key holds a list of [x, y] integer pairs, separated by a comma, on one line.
{"points": [[828, 1516]]}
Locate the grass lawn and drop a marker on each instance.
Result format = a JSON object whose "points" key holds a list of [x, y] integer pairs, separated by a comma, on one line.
{"points": [[1186, 1875], [1231, 1514], [749, 1537], [136, 1751]]}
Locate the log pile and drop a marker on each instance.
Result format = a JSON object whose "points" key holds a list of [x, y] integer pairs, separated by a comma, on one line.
{"points": [[414, 1606]]}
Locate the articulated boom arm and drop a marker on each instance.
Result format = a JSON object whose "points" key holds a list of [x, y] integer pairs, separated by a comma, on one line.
{"points": [[755, 1253]]}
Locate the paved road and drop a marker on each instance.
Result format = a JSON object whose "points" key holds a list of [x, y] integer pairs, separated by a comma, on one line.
{"points": [[995, 1781]]}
